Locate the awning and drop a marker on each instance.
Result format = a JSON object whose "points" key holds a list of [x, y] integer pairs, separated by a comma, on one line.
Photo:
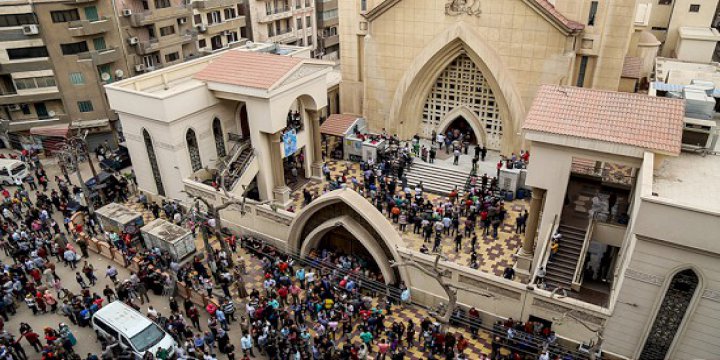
{"points": [[51, 130], [338, 124], [84, 124]]}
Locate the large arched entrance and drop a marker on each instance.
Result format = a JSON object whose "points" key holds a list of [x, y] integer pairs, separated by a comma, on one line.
{"points": [[462, 85], [344, 222]]}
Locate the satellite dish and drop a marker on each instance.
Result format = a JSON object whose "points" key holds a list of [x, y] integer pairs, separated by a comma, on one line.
{"points": [[250, 44], [51, 113], [105, 76], [119, 73]]}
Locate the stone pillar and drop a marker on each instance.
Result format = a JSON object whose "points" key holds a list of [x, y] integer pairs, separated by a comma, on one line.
{"points": [[523, 265], [318, 162], [281, 193]]}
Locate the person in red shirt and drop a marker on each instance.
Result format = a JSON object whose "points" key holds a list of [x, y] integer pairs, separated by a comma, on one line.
{"points": [[34, 339], [282, 294]]}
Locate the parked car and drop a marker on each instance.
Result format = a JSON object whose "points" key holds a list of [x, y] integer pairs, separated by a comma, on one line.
{"points": [[117, 160]]}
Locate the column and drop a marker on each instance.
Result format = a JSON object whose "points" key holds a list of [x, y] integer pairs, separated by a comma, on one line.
{"points": [[528, 245], [318, 162], [524, 261], [281, 193]]}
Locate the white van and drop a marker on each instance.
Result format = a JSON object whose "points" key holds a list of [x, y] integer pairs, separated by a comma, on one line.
{"points": [[12, 170], [132, 330]]}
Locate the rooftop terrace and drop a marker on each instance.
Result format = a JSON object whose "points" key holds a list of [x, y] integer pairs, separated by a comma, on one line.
{"points": [[691, 180]]}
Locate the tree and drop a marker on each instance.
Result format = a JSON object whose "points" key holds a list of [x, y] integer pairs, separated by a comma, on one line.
{"points": [[443, 315]]}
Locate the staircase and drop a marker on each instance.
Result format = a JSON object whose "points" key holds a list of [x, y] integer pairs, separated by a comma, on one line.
{"points": [[560, 272], [436, 179]]}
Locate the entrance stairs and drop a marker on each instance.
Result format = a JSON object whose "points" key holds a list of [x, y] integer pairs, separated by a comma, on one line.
{"points": [[436, 179], [560, 272]]}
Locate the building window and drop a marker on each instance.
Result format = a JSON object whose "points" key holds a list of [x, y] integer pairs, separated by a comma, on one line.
{"points": [[230, 13], [271, 30], [593, 13], [153, 163], [194, 150], [17, 20], [64, 15], [91, 13], [34, 83], [363, 5], [308, 3], [298, 4], [99, 43], [308, 21], [219, 138], [670, 315], [159, 4], [214, 17], [202, 43], [77, 78], [665, 2], [85, 106], [695, 8], [299, 23], [309, 41], [582, 70], [25, 109], [74, 48], [27, 53], [172, 57], [330, 14], [105, 69], [167, 30], [232, 37], [216, 42]]}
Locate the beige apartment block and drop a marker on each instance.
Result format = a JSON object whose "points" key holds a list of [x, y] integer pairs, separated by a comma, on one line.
{"points": [[328, 21], [221, 24], [157, 33], [290, 22], [29, 92]]}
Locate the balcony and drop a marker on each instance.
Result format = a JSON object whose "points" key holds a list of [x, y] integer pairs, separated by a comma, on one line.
{"points": [[27, 124], [154, 44], [211, 4], [229, 24], [150, 17], [285, 37], [329, 41], [81, 28], [147, 47], [276, 14], [34, 65], [101, 57], [326, 5], [30, 96]]}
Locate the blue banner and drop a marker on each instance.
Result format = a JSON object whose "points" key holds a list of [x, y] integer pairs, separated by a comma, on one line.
{"points": [[290, 142]]}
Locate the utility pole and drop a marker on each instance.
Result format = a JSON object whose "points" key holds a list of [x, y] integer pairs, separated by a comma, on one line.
{"points": [[69, 155]]}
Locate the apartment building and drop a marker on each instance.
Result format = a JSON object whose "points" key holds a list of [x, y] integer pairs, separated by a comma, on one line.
{"points": [[221, 24], [328, 40], [289, 22], [29, 93]]}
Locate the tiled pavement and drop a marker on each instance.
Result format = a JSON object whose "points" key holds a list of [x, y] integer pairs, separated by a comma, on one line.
{"points": [[493, 254]]}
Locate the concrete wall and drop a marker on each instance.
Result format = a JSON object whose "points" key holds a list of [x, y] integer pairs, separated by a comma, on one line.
{"points": [[681, 16]]}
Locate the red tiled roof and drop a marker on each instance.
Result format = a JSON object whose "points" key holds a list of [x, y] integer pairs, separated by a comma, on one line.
{"points": [[552, 11], [250, 69], [337, 124], [632, 67], [652, 123]]}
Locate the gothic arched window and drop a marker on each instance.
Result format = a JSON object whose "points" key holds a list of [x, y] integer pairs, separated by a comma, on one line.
{"points": [[193, 149], [153, 163], [219, 139], [670, 315]]}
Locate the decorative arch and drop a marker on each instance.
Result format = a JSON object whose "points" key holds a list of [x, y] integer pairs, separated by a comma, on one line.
{"points": [[459, 38], [679, 297], [152, 158], [348, 209], [219, 138], [193, 149], [475, 122]]}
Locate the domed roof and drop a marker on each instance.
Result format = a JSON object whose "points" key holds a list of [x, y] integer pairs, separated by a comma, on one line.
{"points": [[647, 38]]}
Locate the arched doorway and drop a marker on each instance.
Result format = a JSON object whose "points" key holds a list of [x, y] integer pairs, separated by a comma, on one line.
{"points": [[153, 163], [461, 127], [345, 221], [244, 125], [193, 149], [670, 315], [219, 138], [462, 85]]}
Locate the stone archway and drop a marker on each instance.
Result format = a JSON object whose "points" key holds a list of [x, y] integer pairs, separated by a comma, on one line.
{"points": [[472, 119], [349, 210], [408, 102]]}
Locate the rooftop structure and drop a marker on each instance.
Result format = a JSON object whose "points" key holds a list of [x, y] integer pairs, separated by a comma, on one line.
{"points": [[629, 119], [248, 69], [690, 180]]}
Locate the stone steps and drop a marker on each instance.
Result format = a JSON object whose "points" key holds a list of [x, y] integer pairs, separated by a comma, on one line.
{"points": [[435, 179]]}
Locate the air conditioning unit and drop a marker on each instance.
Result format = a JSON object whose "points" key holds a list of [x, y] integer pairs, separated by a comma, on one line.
{"points": [[150, 68], [182, 21], [202, 28], [140, 67], [30, 29], [13, 107], [133, 40], [127, 12]]}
